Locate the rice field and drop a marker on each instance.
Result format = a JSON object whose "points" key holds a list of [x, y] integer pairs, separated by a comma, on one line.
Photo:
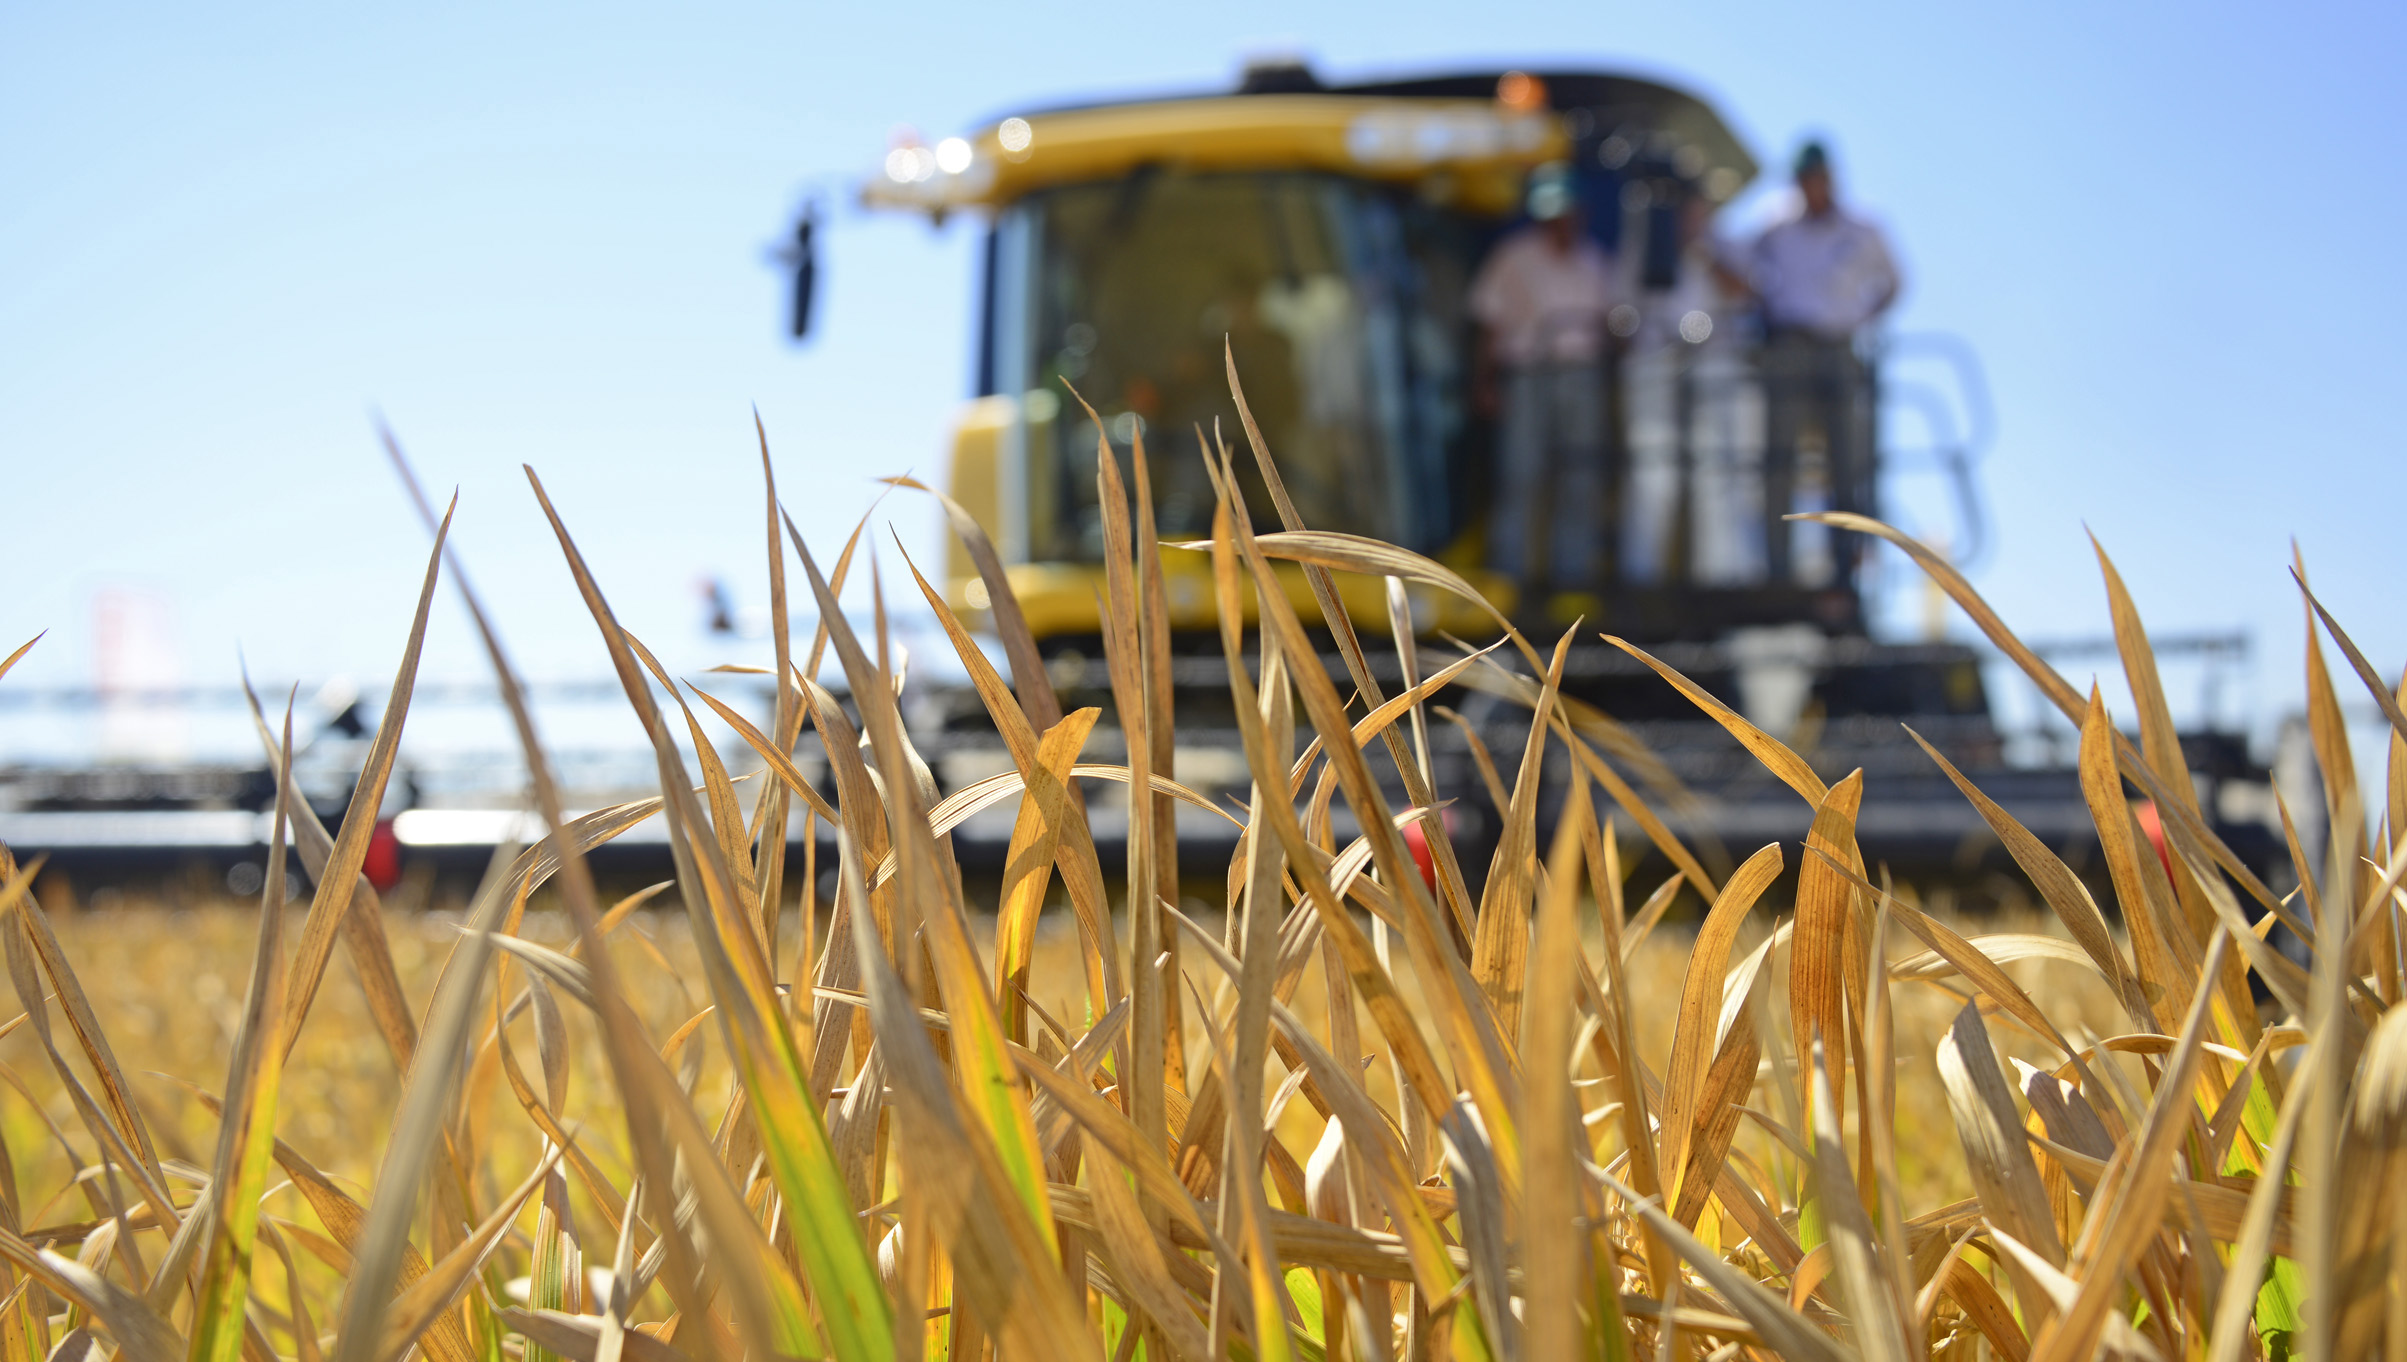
{"points": [[1336, 1106]]}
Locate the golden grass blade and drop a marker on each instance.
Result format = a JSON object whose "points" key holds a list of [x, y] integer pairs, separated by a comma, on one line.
{"points": [[415, 1310], [1480, 757], [1773, 753], [785, 720], [1028, 867], [2330, 730], [1554, 1247], [999, 1251], [1716, 1111], [1331, 550], [1500, 936], [1241, 1074], [2058, 691], [2124, 1219], [2159, 744], [740, 910], [1498, 681], [2372, 1227], [1598, 728], [1152, 993], [2384, 700], [1058, 802], [2166, 959], [22, 650], [2057, 884], [363, 927], [1825, 910], [1787, 1332], [2004, 1177], [644, 1085], [1408, 658], [597, 1185], [31, 944], [1161, 696], [2283, 977], [335, 899], [1647, 918], [247, 1129], [1028, 675], [141, 1335], [1967, 958], [993, 1095], [579, 1336], [1451, 888], [1369, 1135], [777, 760], [1873, 1308], [382, 1243], [1396, 1021], [980, 795], [304, 1330], [346, 1220], [1104, 1124], [2161, 750], [1142, 1266], [834, 1257], [1693, 1040], [1468, 1023], [1620, 1058]]}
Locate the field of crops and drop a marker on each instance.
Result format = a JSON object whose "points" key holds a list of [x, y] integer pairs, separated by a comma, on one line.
{"points": [[1336, 1106]]}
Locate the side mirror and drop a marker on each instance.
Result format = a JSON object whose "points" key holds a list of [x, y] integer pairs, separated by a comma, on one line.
{"points": [[804, 257]]}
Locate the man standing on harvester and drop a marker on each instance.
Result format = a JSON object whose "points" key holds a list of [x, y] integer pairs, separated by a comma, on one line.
{"points": [[1540, 300], [1820, 277]]}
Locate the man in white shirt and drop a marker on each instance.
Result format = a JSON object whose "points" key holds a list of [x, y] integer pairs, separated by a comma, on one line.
{"points": [[1820, 277], [1540, 299]]}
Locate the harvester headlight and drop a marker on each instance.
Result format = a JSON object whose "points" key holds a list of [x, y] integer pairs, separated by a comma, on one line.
{"points": [[952, 155], [1015, 136], [904, 165]]}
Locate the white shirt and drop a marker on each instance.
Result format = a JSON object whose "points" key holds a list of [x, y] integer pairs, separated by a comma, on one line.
{"points": [[1544, 306], [1830, 274]]}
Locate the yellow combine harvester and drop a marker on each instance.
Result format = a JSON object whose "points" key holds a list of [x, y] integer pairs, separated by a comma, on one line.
{"points": [[1328, 236]]}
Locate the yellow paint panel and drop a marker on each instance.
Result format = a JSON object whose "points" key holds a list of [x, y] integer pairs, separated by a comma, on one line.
{"points": [[1469, 152]]}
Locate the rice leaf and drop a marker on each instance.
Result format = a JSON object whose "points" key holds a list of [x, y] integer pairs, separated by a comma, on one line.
{"points": [[1555, 1243], [335, 899], [2003, 1174], [1773, 753], [247, 1129], [1700, 1000]]}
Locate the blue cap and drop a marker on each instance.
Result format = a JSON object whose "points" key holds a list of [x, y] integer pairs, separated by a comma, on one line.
{"points": [[1550, 193]]}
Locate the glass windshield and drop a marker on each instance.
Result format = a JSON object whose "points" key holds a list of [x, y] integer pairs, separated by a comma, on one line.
{"points": [[1342, 300]]}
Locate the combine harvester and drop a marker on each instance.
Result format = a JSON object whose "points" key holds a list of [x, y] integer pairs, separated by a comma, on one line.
{"points": [[1327, 236]]}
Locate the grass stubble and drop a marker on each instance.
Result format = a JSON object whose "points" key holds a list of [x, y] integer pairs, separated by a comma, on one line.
{"points": [[1331, 1107]]}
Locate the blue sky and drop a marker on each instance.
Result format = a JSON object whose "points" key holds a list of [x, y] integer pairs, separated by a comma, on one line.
{"points": [[538, 235]]}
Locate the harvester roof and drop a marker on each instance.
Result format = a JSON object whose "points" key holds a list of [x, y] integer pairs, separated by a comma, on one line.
{"points": [[1450, 133]]}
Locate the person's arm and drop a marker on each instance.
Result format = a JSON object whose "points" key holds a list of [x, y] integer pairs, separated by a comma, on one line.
{"points": [[1729, 269], [1888, 283]]}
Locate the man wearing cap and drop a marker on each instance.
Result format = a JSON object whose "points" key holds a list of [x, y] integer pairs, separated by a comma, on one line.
{"points": [[1820, 276], [1540, 299]]}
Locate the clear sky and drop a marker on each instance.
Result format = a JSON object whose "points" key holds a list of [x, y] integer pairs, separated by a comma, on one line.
{"points": [[526, 234]]}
